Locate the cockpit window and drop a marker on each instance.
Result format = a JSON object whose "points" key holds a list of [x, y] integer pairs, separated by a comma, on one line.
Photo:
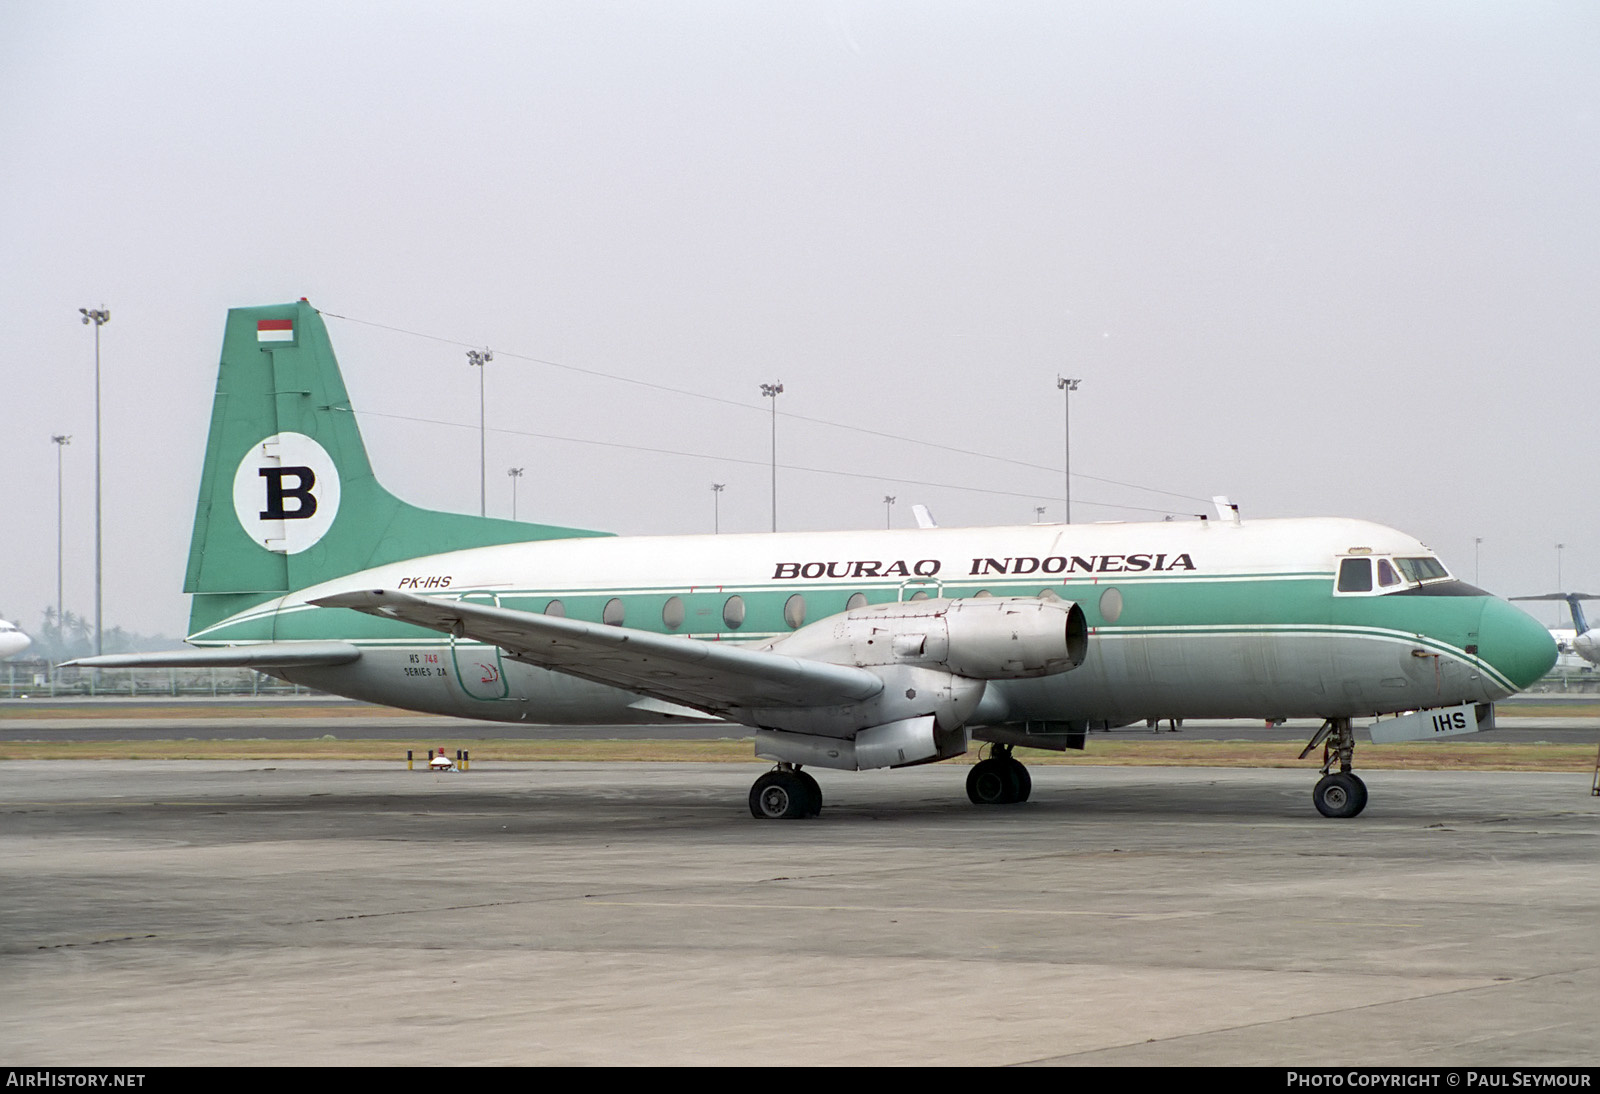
{"points": [[1355, 575], [1386, 574], [1422, 569]]}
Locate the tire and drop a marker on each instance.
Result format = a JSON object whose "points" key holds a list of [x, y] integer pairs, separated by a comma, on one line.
{"points": [[992, 782], [813, 792], [1361, 792], [780, 795], [1023, 779], [1339, 795]]}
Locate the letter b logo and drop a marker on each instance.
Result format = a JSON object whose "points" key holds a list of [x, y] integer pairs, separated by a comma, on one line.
{"points": [[306, 501]]}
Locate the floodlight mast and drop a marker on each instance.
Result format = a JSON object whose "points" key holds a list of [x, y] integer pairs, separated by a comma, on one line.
{"points": [[478, 359], [61, 440], [99, 317], [1067, 387], [772, 391], [515, 473]]}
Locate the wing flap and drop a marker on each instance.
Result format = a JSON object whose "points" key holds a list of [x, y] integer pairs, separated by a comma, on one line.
{"points": [[709, 676]]}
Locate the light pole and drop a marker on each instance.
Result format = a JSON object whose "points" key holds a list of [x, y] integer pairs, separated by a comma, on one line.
{"points": [[477, 359], [515, 473], [99, 317], [888, 501], [716, 506], [772, 391], [61, 441], [1067, 388], [1477, 542], [1038, 514], [1559, 548]]}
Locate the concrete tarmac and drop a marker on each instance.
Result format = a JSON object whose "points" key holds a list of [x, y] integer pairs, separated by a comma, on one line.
{"points": [[257, 913]]}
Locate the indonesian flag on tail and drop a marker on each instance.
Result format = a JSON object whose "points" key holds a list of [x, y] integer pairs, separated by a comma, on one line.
{"points": [[275, 330]]}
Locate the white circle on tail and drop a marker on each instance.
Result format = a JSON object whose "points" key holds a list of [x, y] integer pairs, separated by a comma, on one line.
{"points": [[286, 492]]}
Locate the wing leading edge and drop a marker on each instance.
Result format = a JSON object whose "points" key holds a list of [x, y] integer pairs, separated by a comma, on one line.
{"points": [[710, 676]]}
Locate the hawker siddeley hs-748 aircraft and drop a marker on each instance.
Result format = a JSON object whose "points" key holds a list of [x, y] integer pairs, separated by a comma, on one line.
{"points": [[844, 650]]}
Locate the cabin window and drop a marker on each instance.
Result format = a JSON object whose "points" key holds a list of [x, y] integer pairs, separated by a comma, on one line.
{"points": [[556, 608], [612, 615], [1111, 605], [920, 594], [982, 592], [1049, 594], [794, 611], [1355, 575], [672, 613], [858, 600], [733, 612]]}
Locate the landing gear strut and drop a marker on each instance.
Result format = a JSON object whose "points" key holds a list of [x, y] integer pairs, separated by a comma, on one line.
{"points": [[1000, 780], [1338, 793], [785, 793]]}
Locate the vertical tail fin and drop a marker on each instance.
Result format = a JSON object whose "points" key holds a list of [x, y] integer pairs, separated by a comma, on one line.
{"points": [[287, 495]]}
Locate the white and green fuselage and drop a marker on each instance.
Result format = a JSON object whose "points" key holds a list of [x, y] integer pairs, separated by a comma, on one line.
{"points": [[1187, 620]]}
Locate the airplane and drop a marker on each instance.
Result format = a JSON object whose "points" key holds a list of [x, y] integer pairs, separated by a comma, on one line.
{"points": [[1583, 639], [12, 640], [841, 650]]}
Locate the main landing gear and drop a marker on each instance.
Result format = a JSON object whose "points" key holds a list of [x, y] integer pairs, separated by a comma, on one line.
{"points": [[785, 793], [1338, 793], [1000, 780]]}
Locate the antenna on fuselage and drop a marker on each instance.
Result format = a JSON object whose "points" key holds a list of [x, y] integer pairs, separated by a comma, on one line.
{"points": [[1226, 510]]}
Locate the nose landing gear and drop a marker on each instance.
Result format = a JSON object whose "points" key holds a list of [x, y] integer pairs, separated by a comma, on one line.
{"points": [[1339, 793]]}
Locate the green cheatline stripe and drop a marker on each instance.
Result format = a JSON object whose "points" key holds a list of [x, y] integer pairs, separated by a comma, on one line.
{"points": [[1169, 586]]}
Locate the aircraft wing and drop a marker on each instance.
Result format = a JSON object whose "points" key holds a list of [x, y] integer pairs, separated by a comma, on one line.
{"points": [[261, 655], [710, 676]]}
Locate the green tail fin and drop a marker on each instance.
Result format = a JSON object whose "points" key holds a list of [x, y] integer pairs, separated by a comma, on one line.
{"points": [[287, 496]]}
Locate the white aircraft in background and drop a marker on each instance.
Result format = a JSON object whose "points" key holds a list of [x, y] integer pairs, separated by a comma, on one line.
{"points": [[841, 650], [12, 640], [1582, 639]]}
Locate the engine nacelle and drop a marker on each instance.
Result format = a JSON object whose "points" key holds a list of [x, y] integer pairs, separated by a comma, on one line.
{"points": [[984, 638]]}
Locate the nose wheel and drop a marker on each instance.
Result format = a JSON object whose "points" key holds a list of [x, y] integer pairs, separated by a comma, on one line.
{"points": [[1338, 794]]}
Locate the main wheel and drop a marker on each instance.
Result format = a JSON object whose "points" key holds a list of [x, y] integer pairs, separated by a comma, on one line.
{"points": [[993, 782], [1340, 795], [783, 795]]}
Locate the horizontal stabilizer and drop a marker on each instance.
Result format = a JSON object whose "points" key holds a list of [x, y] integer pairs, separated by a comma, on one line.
{"points": [[263, 655], [709, 676], [1574, 605]]}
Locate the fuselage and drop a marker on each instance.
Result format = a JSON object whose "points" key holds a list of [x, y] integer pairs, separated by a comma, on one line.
{"points": [[12, 640], [1587, 645], [1268, 618]]}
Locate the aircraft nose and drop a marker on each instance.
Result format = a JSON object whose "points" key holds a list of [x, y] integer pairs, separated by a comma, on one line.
{"points": [[1514, 644]]}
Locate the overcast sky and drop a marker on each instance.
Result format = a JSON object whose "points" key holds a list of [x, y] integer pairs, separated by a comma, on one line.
{"points": [[1328, 259]]}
